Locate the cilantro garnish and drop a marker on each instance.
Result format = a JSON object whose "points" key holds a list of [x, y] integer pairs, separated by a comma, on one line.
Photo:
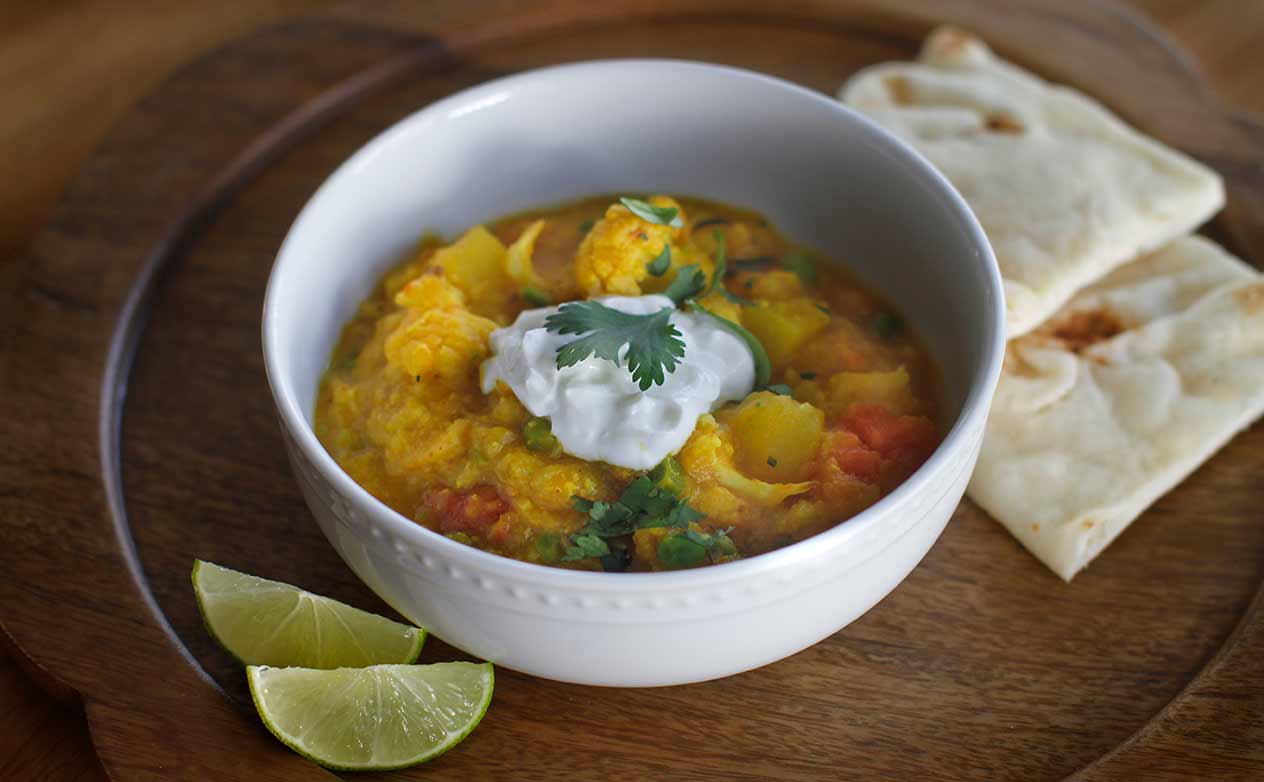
{"points": [[655, 346], [721, 262], [781, 389], [721, 269], [659, 266], [658, 215], [690, 548], [643, 504], [689, 282]]}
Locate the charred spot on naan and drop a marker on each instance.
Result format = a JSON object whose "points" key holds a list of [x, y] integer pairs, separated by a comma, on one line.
{"points": [[1250, 298], [951, 45], [1014, 363], [1084, 328], [899, 89], [1003, 123]]}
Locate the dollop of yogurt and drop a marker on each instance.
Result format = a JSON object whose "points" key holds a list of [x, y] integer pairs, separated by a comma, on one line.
{"points": [[598, 412]]}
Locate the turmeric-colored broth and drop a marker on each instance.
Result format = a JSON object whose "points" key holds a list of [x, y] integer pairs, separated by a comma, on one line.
{"points": [[400, 408]]}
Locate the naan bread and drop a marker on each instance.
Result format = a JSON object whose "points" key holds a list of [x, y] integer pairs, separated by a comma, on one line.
{"points": [[1119, 397], [1065, 191]]}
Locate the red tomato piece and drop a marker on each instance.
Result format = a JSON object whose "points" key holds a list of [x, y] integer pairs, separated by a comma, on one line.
{"points": [[894, 436], [843, 452], [860, 462], [471, 512]]}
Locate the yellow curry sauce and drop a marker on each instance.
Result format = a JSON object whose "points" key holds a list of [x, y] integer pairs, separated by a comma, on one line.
{"points": [[401, 411]]}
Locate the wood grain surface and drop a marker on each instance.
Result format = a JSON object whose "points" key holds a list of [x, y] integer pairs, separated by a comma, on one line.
{"points": [[201, 339]]}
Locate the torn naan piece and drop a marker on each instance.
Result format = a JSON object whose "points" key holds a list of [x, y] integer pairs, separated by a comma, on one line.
{"points": [[1128, 389], [1065, 191]]}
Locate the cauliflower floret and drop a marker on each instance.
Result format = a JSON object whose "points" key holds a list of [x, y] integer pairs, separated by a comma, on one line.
{"points": [[430, 292], [440, 345], [613, 256]]}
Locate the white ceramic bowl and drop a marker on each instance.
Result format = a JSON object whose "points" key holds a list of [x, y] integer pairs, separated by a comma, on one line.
{"points": [[826, 176]]}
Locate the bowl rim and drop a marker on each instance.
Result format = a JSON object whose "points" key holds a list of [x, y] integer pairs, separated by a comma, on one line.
{"points": [[973, 409]]}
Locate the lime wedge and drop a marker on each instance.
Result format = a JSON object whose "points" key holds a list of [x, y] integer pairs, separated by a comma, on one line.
{"points": [[263, 622], [372, 719]]}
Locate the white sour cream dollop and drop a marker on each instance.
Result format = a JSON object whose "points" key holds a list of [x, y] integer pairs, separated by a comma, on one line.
{"points": [[598, 412]]}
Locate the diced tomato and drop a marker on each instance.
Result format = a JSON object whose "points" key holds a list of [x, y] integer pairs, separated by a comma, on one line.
{"points": [[860, 462], [842, 452], [471, 512], [902, 437]]}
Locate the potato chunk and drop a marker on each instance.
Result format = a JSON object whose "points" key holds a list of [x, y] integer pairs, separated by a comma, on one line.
{"points": [[783, 326], [889, 389], [776, 437], [518, 258], [708, 459], [475, 263]]}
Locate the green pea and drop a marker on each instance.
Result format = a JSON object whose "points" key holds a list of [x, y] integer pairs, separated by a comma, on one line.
{"points": [[669, 476], [535, 297], [549, 546], [677, 551], [538, 434]]}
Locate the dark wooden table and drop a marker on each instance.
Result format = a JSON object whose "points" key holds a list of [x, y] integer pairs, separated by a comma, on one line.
{"points": [[68, 70]]}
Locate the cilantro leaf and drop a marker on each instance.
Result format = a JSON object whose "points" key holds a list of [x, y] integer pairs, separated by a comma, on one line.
{"points": [[689, 282], [645, 499], [658, 215], [781, 389], [721, 269], [645, 503], [654, 345], [683, 515], [584, 546], [659, 266], [689, 548], [721, 262]]}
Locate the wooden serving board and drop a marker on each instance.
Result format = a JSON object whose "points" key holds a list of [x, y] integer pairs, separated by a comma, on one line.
{"points": [[140, 434]]}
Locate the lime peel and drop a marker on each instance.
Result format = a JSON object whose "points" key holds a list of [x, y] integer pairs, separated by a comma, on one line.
{"points": [[262, 622], [379, 718]]}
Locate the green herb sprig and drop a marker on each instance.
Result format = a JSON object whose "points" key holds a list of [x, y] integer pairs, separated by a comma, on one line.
{"points": [[645, 503], [659, 266], [721, 269], [690, 548], [655, 346], [658, 215], [689, 281]]}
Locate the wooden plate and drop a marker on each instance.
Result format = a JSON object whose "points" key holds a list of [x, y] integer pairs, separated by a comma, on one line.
{"points": [[141, 434]]}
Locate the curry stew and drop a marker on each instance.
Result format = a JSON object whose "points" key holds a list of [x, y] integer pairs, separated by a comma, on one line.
{"points": [[848, 415]]}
